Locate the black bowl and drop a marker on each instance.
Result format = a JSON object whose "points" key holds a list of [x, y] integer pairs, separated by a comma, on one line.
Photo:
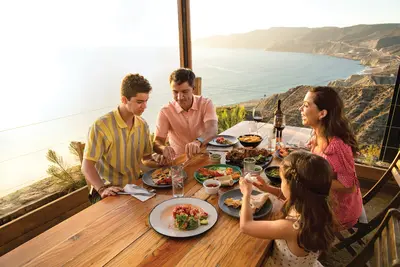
{"points": [[274, 179], [250, 144]]}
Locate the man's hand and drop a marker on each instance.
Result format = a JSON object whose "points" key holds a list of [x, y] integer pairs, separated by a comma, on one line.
{"points": [[169, 153], [192, 148], [160, 159], [110, 191]]}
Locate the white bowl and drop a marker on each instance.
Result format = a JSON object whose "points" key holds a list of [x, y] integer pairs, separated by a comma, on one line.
{"points": [[257, 170], [211, 190]]}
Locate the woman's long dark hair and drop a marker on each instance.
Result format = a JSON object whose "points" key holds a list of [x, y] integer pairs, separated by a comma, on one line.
{"points": [[335, 122], [309, 178]]}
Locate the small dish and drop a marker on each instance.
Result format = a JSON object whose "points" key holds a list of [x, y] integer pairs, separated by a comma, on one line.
{"points": [[257, 169], [215, 158], [211, 186]]}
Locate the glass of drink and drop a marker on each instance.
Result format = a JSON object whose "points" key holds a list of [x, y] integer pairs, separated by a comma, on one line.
{"points": [[248, 165], [177, 181], [257, 116]]}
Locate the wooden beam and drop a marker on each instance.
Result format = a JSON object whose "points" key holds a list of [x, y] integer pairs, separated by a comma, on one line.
{"points": [[185, 43]]}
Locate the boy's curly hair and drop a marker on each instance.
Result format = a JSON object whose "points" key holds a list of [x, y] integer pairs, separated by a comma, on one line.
{"points": [[132, 84]]}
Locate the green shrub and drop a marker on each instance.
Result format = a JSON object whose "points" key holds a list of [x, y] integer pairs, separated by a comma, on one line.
{"points": [[62, 174], [370, 154], [228, 117]]}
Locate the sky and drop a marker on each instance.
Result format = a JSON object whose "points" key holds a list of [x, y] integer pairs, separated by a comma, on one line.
{"points": [[154, 22]]}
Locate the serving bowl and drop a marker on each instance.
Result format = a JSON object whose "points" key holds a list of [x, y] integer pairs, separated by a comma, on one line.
{"points": [[246, 141], [272, 173]]}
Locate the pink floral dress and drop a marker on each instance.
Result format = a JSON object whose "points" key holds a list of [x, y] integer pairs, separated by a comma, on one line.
{"points": [[349, 205]]}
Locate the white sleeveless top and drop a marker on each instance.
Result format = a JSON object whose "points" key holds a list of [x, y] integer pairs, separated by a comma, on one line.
{"points": [[282, 256]]}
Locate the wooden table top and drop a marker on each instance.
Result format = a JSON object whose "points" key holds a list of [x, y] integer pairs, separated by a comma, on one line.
{"points": [[115, 231]]}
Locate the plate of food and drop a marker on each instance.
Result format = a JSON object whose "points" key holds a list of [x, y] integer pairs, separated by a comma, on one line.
{"points": [[183, 217], [237, 155], [228, 175], [230, 202], [224, 141], [159, 178], [283, 152]]}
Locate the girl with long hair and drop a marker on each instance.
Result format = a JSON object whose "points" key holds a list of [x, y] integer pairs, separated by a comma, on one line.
{"points": [[306, 227]]}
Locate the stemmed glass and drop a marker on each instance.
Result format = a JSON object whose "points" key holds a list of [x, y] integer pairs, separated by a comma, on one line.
{"points": [[257, 116], [279, 124]]}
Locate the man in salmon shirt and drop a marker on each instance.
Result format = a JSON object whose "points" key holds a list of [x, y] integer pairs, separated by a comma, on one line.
{"points": [[189, 121]]}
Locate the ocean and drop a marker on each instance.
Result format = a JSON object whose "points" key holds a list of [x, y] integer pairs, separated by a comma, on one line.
{"points": [[51, 96]]}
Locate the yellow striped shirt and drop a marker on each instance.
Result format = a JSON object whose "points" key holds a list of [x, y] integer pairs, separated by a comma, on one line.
{"points": [[117, 150]]}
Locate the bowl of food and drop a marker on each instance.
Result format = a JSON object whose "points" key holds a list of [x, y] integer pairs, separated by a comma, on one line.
{"points": [[257, 169], [215, 158], [250, 140], [272, 173], [211, 186]]}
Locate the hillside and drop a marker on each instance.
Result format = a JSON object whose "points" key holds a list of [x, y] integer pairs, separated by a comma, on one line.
{"points": [[367, 107], [374, 45]]}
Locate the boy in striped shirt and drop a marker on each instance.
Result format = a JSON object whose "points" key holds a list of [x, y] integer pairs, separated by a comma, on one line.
{"points": [[119, 141]]}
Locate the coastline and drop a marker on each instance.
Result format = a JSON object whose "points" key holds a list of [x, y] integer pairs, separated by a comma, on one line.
{"points": [[370, 71]]}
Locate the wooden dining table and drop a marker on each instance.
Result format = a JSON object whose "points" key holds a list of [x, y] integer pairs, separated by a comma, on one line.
{"points": [[116, 230]]}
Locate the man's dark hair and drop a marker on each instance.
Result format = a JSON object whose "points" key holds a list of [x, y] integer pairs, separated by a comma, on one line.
{"points": [[133, 84], [182, 75]]}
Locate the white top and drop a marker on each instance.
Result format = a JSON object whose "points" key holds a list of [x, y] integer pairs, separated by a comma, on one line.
{"points": [[282, 256]]}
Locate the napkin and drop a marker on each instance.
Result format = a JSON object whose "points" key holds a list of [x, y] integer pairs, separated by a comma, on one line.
{"points": [[133, 190], [219, 148]]}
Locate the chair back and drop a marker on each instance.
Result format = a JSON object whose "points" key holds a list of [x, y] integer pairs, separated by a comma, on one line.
{"points": [[392, 172], [383, 248], [80, 148]]}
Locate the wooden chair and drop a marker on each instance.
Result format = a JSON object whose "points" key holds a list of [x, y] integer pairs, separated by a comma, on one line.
{"points": [[362, 229], [382, 245]]}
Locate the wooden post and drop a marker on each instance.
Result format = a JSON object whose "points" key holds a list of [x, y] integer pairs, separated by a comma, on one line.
{"points": [[185, 40], [185, 43], [197, 86]]}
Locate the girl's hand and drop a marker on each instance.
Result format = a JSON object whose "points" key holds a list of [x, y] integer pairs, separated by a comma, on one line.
{"points": [[245, 187]]}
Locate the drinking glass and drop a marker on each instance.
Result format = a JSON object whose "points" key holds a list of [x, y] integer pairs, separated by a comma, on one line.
{"points": [[177, 181], [249, 165]]}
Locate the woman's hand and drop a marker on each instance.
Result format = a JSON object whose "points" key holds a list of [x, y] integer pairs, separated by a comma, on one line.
{"points": [[261, 184], [245, 187]]}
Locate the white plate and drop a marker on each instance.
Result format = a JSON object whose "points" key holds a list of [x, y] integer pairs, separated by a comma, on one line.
{"points": [[231, 138], [162, 221]]}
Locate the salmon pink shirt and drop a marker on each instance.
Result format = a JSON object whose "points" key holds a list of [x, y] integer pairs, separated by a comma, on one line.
{"points": [[182, 127], [349, 205]]}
